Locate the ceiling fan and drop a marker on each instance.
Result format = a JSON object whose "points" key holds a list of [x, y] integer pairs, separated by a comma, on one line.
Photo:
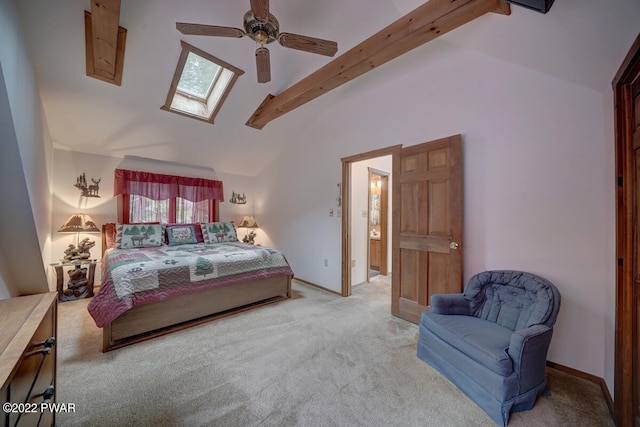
{"points": [[263, 27]]}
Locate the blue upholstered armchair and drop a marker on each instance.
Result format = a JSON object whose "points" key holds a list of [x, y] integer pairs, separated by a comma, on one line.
{"points": [[492, 341]]}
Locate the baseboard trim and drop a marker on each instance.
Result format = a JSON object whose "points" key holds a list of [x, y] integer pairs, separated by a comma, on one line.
{"points": [[306, 282], [589, 377]]}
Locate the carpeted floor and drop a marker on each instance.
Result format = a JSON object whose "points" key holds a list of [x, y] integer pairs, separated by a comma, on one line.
{"points": [[314, 360]]}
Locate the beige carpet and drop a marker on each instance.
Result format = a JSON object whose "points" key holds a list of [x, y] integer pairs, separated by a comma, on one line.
{"points": [[314, 360]]}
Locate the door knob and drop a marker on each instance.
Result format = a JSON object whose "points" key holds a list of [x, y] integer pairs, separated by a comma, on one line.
{"points": [[454, 245]]}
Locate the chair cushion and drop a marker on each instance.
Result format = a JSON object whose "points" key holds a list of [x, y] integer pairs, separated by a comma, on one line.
{"points": [[513, 299], [483, 341]]}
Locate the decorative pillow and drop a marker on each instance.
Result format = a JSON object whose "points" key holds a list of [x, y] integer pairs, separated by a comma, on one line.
{"points": [[196, 227], [216, 232], [129, 236], [181, 234]]}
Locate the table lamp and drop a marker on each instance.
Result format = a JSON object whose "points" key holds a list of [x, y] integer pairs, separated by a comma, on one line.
{"points": [[78, 223], [248, 221]]}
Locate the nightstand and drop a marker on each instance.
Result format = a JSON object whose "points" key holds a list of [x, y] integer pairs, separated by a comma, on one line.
{"points": [[80, 283]]}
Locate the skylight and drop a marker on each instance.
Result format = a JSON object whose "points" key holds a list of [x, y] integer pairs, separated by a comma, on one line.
{"points": [[200, 84], [198, 76]]}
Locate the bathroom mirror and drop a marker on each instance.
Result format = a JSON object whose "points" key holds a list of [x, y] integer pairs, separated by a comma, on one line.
{"points": [[374, 215]]}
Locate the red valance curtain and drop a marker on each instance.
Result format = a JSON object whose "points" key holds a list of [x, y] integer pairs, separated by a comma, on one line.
{"points": [[158, 186]]}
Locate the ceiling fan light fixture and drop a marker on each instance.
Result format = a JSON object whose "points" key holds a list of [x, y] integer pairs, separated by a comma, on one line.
{"points": [[261, 37], [262, 32]]}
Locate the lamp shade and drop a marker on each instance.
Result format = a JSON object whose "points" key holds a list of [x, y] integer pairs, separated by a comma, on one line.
{"points": [[248, 221], [79, 222]]}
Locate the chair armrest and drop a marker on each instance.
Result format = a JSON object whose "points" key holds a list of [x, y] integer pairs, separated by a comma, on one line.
{"points": [[528, 350], [450, 304]]}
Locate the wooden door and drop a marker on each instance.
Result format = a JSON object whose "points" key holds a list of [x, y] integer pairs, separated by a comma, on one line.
{"points": [[626, 85], [427, 225], [635, 294]]}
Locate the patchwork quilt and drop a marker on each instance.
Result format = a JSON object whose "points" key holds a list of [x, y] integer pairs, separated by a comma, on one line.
{"points": [[132, 277]]}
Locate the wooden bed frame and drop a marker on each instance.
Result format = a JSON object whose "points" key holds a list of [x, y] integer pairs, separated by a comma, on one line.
{"points": [[163, 317]]}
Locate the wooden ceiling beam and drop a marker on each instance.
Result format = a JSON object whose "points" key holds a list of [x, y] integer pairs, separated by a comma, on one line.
{"points": [[425, 23], [104, 41]]}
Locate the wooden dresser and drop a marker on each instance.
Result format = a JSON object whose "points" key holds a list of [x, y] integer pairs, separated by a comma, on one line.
{"points": [[375, 254], [28, 359]]}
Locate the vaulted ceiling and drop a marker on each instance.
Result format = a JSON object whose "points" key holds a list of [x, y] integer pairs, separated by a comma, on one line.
{"points": [[88, 115]]}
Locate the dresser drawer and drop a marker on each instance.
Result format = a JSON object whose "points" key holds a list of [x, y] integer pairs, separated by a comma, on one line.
{"points": [[32, 351], [35, 373]]}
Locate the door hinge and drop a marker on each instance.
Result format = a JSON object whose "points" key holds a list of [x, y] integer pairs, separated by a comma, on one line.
{"points": [[620, 262], [619, 181]]}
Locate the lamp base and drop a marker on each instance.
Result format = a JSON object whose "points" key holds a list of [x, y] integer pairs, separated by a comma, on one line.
{"points": [[249, 238], [80, 253]]}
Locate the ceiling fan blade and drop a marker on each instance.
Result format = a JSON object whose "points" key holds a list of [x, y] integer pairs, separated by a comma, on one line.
{"points": [[208, 30], [308, 44], [260, 9], [263, 65]]}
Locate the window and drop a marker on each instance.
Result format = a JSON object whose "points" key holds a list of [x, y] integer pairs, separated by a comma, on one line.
{"points": [[143, 209], [175, 210], [151, 197], [200, 84], [188, 211]]}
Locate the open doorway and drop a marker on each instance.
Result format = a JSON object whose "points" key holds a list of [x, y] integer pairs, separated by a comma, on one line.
{"points": [[378, 219], [357, 173], [426, 236]]}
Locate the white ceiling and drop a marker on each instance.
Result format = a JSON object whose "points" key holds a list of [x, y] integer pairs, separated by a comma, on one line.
{"points": [[88, 115]]}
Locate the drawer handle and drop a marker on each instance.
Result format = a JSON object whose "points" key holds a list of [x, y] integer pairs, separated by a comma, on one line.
{"points": [[47, 394], [48, 344]]}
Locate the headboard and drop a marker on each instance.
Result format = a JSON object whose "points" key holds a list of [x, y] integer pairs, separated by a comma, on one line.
{"points": [[108, 236]]}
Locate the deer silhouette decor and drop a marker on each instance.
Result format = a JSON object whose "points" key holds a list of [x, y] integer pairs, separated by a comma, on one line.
{"points": [[238, 199], [90, 190]]}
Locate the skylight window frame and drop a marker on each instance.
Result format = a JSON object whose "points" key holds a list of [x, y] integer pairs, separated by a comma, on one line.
{"points": [[173, 88]]}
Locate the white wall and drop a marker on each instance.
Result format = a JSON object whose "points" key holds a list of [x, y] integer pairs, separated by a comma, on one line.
{"points": [[25, 220], [10, 157], [359, 221], [608, 245], [535, 177], [67, 200]]}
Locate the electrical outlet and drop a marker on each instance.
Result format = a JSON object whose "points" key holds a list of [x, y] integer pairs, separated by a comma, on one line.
{"points": [[353, 263], [326, 262]]}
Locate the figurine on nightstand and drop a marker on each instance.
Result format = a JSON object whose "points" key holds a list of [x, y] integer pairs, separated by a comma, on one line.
{"points": [[249, 238], [81, 253]]}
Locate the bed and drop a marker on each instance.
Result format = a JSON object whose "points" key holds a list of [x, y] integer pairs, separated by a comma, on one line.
{"points": [[153, 285]]}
